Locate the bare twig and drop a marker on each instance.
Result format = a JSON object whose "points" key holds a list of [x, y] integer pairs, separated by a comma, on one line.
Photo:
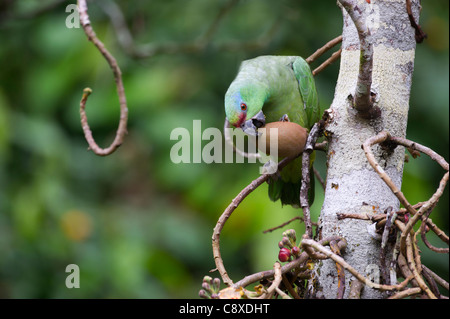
{"points": [[421, 148], [319, 178], [304, 194], [362, 101], [379, 138], [407, 245], [322, 146], [286, 223], [306, 243], [356, 288], [122, 129], [404, 269], [419, 34], [282, 294], [412, 265], [227, 213], [289, 287], [438, 279], [439, 232], [423, 231], [314, 134], [416, 215], [393, 263], [390, 218], [406, 293], [322, 50], [298, 262], [431, 282], [434, 198], [379, 217], [247, 280], [275, 283], [327, 62]]}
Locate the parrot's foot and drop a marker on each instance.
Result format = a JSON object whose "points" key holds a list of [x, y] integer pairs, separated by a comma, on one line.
{"points": [[271, 168], [284, 118]]}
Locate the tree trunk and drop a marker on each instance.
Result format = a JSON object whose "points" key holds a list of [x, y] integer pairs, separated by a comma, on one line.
{"points": [[352, 185]]}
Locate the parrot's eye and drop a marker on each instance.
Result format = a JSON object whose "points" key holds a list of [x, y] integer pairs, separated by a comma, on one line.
{"points": [[243, 107]]}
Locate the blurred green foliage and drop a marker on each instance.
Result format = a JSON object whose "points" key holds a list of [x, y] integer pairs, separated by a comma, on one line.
{"points": [[137, 225]]}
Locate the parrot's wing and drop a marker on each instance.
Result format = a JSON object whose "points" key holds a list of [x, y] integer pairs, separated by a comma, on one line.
{"points": [[307, 89]]}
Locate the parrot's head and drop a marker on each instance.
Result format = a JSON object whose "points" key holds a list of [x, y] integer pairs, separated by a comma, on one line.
{"points": [[243, 106]]}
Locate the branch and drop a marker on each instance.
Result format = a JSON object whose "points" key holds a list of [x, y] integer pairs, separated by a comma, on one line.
{"points": [[406, 244], [122, 129], [356, 288], [406, 293], [336, 55], [438, 279], [412, 262], [322, 50], [275, 283], [419, 34], [416, 215], [379, 138], [428, 221], [390, 218], [289, 287], [362, 101], [319, 178], [300, 260], [286, 223], [421, 148], [412, 265], [423, 230], [314, 134], [309, 243], [227, 213]]}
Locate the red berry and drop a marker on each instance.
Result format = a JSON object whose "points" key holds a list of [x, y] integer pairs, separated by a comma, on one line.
{"points": [[406, 218], [295, 250], [284, 254]]}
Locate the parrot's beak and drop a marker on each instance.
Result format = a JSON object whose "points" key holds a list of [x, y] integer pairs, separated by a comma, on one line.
{"points": [[252, 125]]}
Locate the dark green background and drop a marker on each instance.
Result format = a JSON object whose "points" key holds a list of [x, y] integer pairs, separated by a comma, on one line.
{"points": [[137, 225]]}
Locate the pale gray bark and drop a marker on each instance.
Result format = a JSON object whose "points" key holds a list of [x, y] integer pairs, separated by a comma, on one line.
{"points": [[352, 185]]}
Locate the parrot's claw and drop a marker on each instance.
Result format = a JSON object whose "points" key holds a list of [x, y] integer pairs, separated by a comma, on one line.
{"points": [[271, 168], [284, 118]]}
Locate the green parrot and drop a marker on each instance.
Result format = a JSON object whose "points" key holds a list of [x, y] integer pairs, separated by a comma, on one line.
{"points": [[269, 89]]}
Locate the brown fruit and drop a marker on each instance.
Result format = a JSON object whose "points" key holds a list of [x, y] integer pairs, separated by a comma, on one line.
{"points": [[291, 138]]}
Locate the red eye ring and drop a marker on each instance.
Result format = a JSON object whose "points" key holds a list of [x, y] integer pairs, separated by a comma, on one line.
{"points": [[243, 107]]}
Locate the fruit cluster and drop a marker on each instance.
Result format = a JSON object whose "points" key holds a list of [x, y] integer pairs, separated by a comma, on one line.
{"points": [[288, 246]]}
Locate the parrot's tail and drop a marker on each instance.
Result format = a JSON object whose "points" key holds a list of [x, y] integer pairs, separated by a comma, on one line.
{"points": [[288, 192]]}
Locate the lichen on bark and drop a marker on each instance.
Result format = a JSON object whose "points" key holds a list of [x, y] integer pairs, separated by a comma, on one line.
{"points": [[359, 188]]}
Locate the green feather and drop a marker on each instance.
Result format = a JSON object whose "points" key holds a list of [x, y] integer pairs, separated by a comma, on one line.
{"points": [[278, 85], [308, 90]]}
